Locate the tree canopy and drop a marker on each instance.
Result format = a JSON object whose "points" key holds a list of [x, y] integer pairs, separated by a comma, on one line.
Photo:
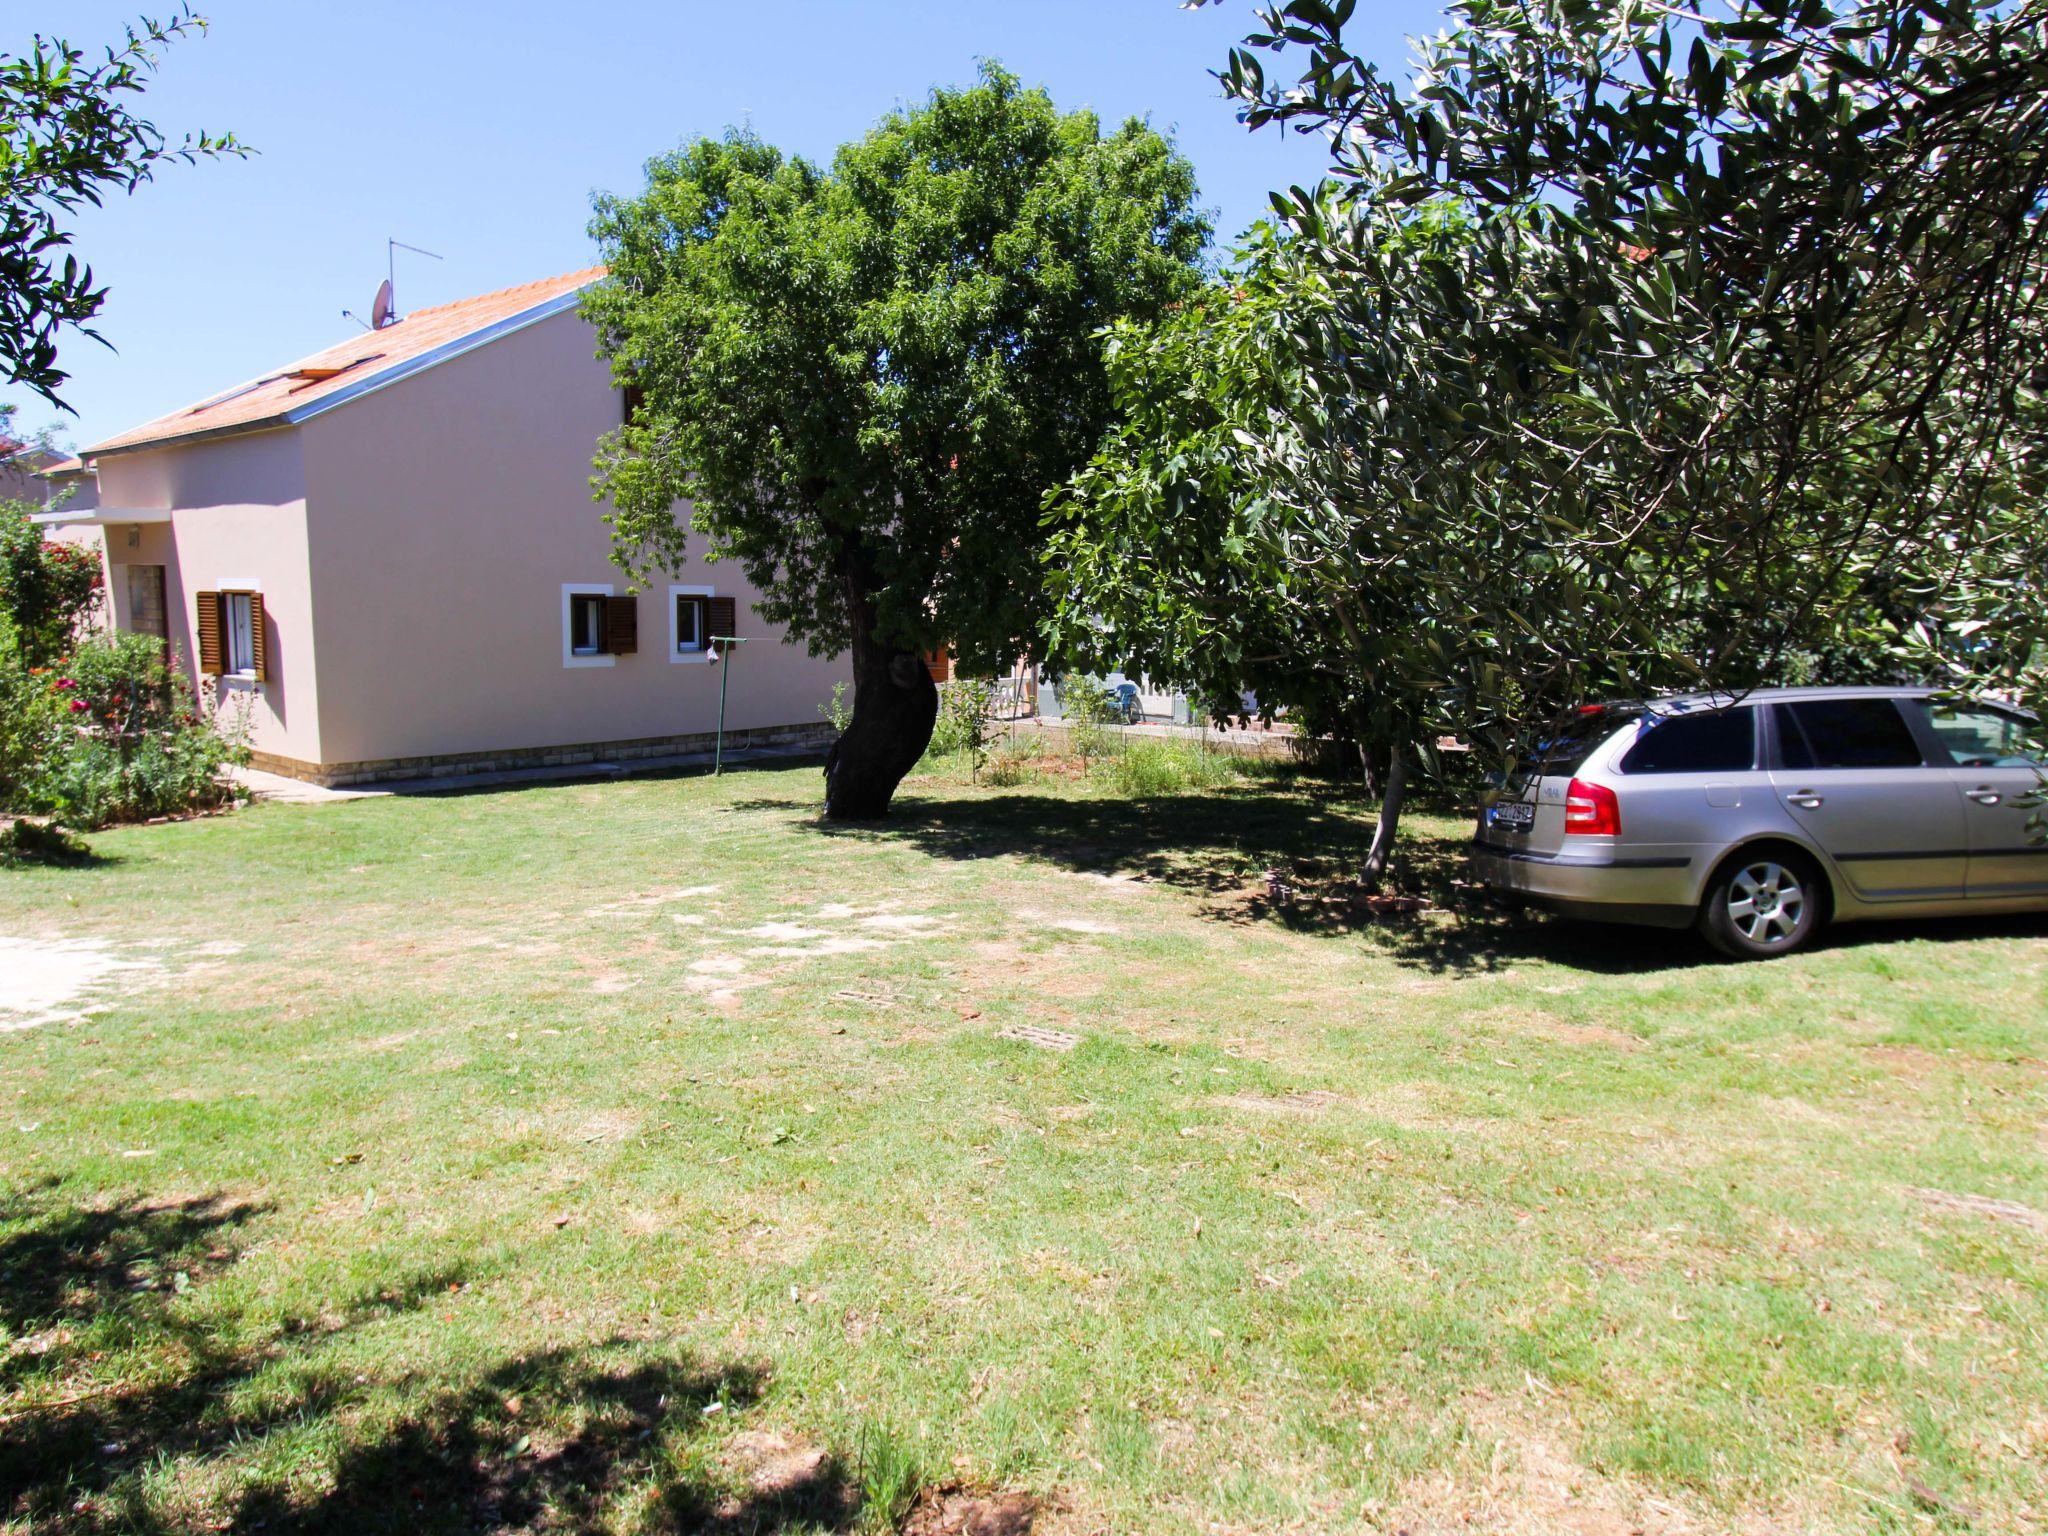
{"points": [[68, 135], [862, 380], [1630, 347]]}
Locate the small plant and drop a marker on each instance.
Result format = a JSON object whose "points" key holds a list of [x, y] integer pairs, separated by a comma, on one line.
{"points": [[1008, 768], [891, 1473], [1089, 708], [838, 711], [966, 722]]}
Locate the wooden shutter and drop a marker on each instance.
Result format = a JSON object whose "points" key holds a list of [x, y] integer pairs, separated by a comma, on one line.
{"points": [[621, 625], [210, 630], [259, 648], [722, 618]]}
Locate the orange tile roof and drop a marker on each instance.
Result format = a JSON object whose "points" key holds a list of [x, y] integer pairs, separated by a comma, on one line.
{"points": [[270, 400]]}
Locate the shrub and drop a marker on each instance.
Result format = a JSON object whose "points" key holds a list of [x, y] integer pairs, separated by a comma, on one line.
{"points": [[966, 722], [839, 712], [46, 589], [1088, 707], [110, 733], [1150, 767]]}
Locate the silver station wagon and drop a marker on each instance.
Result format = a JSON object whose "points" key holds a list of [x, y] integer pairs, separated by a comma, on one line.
{"points": [[1762, 819]]}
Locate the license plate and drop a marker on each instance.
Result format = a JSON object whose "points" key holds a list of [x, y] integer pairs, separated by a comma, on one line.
{"points": [[1511, 816]]}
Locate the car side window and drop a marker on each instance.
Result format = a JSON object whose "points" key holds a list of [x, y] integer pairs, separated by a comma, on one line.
{"points": [[1980, 738], [1711, 741], [1846, 733]]}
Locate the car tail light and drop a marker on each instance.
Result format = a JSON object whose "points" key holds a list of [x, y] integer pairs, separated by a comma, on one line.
{"points": [[1591, 810]]}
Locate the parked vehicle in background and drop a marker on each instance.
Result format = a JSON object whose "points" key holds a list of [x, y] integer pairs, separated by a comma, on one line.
{"points": [[1759, 819]]}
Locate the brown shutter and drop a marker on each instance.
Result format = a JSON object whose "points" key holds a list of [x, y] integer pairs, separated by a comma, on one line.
{"points": [[259, 648], [621, 625], [209, 635], [723, 619]]}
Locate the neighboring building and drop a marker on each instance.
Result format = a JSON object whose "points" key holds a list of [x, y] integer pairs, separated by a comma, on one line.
{"points": [[22, 470], [389, 552]]}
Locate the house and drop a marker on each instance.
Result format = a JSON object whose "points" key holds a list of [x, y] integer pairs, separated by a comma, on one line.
{"points": [[387, 553]]}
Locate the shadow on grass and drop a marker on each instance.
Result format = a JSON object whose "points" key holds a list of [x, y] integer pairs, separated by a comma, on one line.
{"points": [[26, 844], [122, 1395], [1286, 855], [581, 774]]}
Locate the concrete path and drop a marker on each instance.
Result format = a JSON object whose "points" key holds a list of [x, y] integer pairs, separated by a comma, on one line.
{"points": [[289, 791]]}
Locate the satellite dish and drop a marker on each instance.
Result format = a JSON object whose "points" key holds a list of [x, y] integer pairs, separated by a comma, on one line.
{"points": [[380, 307]]}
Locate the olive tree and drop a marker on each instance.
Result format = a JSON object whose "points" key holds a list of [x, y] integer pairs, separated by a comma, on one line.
{"points": [[68, 135], [1630, 347], [861, 380]]}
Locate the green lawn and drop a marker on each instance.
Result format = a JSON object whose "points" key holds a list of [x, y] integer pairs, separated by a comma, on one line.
{"points": [[647, 1156]]}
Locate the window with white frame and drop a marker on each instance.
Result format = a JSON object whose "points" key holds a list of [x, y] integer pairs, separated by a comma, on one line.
{"points": [[238, 635], [586, 625], [689, 623]]}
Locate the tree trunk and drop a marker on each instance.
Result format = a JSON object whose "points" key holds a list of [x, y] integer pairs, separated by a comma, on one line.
{"points": [[1394, 792], [895, 705]]}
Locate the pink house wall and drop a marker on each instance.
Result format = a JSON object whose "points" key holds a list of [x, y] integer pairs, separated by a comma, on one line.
{"points": [[447, 513], [412, 546], [238, 517]]}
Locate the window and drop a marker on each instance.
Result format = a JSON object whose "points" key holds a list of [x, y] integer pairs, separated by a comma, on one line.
{"points": [[1707, 741], [690, 624], [694, 618], [589, 625], [240, 632], [586, 624], [1576, 737], [1977, 737], [1846, 733]]}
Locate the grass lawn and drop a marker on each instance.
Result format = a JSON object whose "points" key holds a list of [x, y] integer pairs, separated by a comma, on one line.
{"points": [[647, 1156]]}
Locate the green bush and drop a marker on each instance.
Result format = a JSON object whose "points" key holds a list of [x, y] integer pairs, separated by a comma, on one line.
{"points": [[966, 722], [111, 732], [1148, 766], [1088, 708], [47, 589]]}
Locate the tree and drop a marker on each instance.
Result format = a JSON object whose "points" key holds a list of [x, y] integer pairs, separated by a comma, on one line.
{"points": [[864, 379], [1734, 356], [67, 135]]}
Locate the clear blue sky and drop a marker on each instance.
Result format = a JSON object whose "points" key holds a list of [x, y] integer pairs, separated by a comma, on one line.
{"points": [[481, 131]]}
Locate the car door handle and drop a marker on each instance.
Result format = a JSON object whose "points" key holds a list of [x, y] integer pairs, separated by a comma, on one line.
{"points": [[1984, 794], [1806, 800]]}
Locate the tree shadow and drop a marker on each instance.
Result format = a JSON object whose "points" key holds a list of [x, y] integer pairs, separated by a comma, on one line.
{"points": [[28, 844], [114, 1387], [569, 776], [1257, 856]]}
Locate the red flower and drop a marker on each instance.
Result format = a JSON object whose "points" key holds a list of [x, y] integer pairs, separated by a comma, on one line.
{"points": [[65, 682], [79, 706]]}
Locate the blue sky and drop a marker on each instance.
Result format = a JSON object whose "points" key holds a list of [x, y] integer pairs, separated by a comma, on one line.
{"points": [[483, 142]]}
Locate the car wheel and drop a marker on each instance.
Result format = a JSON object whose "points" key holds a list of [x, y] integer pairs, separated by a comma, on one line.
{"points": [[1762, 905]]}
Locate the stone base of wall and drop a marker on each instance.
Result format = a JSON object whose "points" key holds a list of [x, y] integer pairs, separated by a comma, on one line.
{"points": [[384, 770]]}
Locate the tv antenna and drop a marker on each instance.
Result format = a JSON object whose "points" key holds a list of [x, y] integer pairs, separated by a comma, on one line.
{"points": [[384, 307]]}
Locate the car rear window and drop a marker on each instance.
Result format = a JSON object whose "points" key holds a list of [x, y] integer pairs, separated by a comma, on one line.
{"points": [[1708, 741], [1563, 750], [1846, 733]]}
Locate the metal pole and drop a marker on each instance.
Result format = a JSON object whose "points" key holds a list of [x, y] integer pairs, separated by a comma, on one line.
{"points": [[718, 748]]}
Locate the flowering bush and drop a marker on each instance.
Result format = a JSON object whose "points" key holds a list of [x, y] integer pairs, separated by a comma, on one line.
{"points": [[118, 736], [46, 589]]}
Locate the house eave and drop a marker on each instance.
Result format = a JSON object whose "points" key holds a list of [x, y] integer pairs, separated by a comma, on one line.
{"points": [[370, 384]]}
